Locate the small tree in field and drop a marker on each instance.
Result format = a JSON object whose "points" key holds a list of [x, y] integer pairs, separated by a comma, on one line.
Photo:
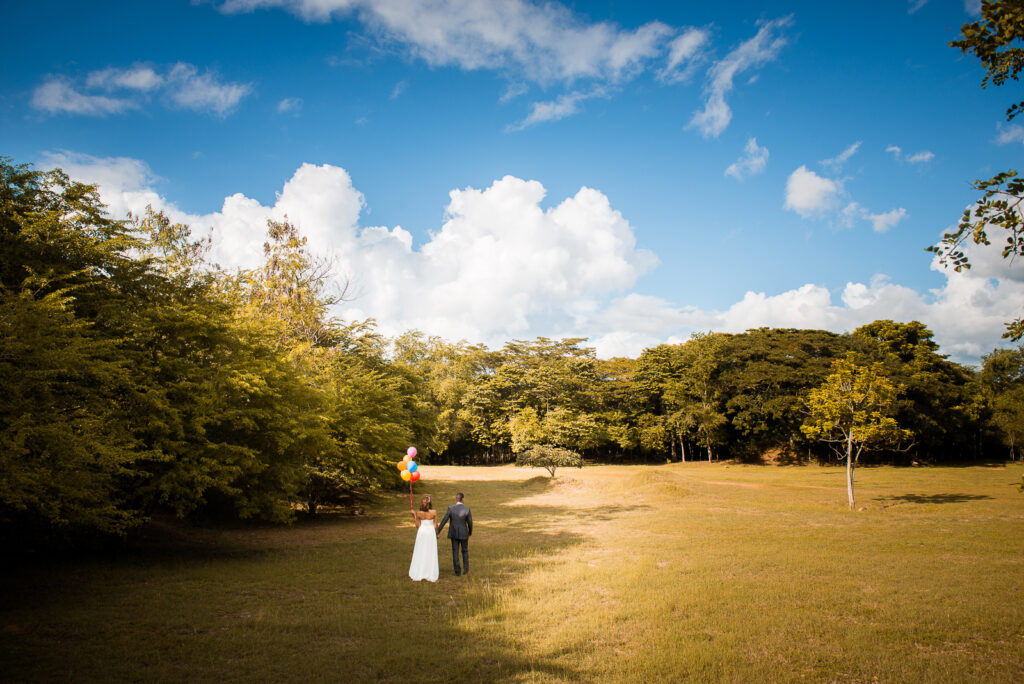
{"points": [[851, 408], [550, 458]]}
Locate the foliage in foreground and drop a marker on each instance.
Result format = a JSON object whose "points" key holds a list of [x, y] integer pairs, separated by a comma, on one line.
{"points": [[998, 41]]}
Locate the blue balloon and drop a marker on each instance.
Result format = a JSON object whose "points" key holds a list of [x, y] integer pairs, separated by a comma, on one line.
{"points": [[411, 466]]}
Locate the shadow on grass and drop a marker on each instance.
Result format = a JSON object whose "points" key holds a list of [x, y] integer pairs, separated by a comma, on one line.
{"points": [[294, 603], [933, 498]]}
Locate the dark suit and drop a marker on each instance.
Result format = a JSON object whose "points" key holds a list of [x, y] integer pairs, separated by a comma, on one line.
{"points": [[459, 532]]}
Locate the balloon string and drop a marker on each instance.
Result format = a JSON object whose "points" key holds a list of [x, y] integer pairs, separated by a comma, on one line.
{"points": [[411, 508]]}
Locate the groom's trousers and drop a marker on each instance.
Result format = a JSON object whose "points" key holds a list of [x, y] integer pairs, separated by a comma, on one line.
{"points": [[464, 545]]}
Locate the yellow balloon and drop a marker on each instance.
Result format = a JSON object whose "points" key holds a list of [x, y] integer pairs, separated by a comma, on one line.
{"points": [[401, 466], [406, 475], [406, 458]]}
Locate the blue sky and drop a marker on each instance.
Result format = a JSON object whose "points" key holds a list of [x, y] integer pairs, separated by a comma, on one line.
{"points": [[746, 164]]}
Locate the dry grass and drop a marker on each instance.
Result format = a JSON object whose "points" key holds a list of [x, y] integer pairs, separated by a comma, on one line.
{"points": [[681, 572]]}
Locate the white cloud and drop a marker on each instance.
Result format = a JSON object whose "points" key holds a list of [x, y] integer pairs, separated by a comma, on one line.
{"points": [[915, 5], [764, 47], [183, 85], [541, 42], [1014, 133], [398, 89], [922, 157], [753, 161], [292, 105], [809, 194], [685, 53], [528, 42], [564, 106], [189, 89], [138, 77], [883, 222], [880, 223], [973, 7], [835, 164], [503, 266], [57, 96]]}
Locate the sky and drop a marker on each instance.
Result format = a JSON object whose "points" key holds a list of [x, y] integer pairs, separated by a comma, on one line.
{"points": [[486, 170]]}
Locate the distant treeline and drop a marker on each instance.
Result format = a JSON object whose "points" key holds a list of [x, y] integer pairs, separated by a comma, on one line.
{"points": [[138, 378]]}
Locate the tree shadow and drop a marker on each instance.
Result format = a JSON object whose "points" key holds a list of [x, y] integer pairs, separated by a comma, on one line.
{"points": [[244, 577], [932, 498]]}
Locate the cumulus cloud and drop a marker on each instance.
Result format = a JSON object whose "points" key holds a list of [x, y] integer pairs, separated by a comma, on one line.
{"points": [[753, 161], [814, 196], [809, 194], [503, 265], [835, 164], [1014, 133], [895, 151], [764, 47], [182, 85]]}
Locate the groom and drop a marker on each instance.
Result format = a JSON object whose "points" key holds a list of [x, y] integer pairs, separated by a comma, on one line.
{"points": [[459, 532]]}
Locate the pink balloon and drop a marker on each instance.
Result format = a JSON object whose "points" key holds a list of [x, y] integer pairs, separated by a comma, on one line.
{"points": [[411, 452]]}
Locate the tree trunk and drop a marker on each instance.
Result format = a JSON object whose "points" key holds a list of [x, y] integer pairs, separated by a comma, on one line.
{"points": [[849, 469], [682, 449]]}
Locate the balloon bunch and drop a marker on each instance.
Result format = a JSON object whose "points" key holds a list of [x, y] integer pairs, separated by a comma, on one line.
{"points": [[409, 470]]}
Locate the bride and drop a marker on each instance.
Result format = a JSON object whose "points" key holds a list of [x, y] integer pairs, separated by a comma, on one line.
{"points": [[424, 553]]}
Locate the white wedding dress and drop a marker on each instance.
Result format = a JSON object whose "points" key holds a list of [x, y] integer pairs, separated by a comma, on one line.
{"points": [[424, 553]]}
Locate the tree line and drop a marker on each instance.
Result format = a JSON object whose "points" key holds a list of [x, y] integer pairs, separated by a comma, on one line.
{"points": [[136, 377]]}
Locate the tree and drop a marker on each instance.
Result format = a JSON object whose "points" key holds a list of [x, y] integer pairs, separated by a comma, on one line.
{"points": [[1002, 376], [996, 41], [940, 402], [549, 458], [852, 408]]}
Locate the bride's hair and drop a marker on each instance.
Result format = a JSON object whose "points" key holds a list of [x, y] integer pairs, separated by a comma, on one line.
{"points": [[426, 504]]}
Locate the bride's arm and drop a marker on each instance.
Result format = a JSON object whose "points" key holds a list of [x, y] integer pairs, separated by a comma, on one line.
{"points": [[416, 518]]}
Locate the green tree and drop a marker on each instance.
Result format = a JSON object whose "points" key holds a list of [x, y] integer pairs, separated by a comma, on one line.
{"points": [[852, 408], [996, 40], [1002, 375], [940, 402], [550, 458]]}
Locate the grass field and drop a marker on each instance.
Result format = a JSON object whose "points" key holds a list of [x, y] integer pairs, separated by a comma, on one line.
{"points": [[643, 573]]}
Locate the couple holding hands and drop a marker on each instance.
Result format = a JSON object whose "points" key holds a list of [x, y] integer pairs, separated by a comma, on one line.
{"points": [[424, 564]]}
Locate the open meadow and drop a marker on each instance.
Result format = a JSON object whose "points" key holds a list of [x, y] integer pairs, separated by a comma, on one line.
{"points": [[704, 572]]}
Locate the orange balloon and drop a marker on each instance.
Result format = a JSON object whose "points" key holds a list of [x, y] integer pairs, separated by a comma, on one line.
{"points": [[406, 475], [401, 465], [406, 459]]}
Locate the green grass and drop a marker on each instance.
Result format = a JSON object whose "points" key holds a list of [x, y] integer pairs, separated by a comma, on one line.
{"points": [[689, 571]]}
